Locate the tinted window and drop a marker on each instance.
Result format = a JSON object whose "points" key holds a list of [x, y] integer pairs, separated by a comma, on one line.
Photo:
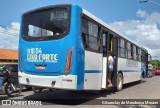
{"points": [[90, 35], [84, 26], [128, 51], [93, 29], [53, 22], [139, 54], [121, 48], [143, 56], [134, 53]]}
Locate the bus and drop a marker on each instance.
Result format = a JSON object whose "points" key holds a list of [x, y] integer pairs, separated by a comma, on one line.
{"points": [[66, 47]]}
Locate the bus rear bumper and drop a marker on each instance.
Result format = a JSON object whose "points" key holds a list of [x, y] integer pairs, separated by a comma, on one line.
{"points": [[60, 82]]}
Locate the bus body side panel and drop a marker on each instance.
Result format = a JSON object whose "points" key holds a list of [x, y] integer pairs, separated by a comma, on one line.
{"points": [[79, 54], [131, 70], [78, 58], [93, 71]]}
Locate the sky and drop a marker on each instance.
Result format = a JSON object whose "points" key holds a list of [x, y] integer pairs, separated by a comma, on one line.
{"points": [[138, 21]]}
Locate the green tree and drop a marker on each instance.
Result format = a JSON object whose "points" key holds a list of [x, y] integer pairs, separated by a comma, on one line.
{"points": [[155, 63]]}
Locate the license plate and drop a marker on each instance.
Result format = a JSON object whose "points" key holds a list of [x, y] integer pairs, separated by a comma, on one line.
{"points": [[40, 67]]}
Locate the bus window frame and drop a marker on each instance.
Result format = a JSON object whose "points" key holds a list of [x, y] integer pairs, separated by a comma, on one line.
{"points": [[83, 16], [120, 47], [47, 38]]}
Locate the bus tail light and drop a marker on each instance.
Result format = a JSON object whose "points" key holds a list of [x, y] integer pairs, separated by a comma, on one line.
{"points": [[68, 65]]}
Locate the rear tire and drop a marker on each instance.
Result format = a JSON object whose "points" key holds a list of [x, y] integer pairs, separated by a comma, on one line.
{"points": [[37, 90], [10, 92], [3, 88], [119, 85]]}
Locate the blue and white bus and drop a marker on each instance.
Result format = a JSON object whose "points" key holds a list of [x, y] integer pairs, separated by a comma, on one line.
{"points": [[66, 47]]}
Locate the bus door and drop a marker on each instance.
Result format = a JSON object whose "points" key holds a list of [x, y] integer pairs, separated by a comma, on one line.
{"points": [[114, 50], [109, 45]]}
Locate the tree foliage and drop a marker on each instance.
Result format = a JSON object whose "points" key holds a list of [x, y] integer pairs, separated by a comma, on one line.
{"points": [[155, 63]]}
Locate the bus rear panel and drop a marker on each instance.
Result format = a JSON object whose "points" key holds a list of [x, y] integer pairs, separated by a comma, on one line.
{"points": [[48, 48]]}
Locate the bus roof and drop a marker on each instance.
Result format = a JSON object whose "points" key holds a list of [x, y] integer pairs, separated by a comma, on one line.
{"points": [[96, 19], [109, 27], [144, 49]]}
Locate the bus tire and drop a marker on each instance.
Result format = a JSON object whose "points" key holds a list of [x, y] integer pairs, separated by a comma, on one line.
{"points": [[119, 85], [37, 90]]}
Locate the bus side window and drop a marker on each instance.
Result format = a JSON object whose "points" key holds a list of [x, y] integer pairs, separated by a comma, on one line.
{"points": [[105, 43], [140, 52], [91, 35], [137, 53], [84, 30], [129, 50], [121, 47], [134, 53], [85, 40]]}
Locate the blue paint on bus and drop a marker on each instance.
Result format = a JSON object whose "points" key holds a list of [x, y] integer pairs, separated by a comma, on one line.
{"points": [[59, 47]]}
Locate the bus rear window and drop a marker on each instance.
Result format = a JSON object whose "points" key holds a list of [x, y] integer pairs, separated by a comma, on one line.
{"points": [[47, 23]]}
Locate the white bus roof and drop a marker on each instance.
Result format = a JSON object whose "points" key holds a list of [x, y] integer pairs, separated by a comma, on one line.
{"points": [[109, 27]]}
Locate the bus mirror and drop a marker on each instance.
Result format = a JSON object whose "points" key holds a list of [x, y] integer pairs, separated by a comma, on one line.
{"points": [[149, 58]]}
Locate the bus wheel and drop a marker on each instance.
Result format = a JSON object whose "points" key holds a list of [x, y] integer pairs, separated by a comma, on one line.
{"points": [[119, 82]]}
